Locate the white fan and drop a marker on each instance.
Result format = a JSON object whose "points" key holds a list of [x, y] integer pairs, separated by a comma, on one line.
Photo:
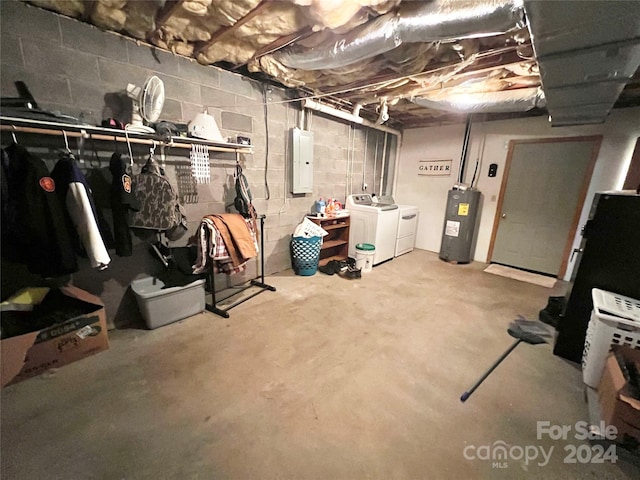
{"points": [[147, 104]]}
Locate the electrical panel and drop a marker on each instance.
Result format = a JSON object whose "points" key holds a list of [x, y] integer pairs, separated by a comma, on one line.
{"points": [[302, 159]]}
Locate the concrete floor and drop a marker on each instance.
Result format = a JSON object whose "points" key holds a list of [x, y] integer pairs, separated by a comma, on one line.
{"points": [[326, 378]]}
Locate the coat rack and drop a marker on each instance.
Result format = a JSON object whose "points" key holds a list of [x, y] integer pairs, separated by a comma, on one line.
{"points": [[41, 127], [256, 282]]}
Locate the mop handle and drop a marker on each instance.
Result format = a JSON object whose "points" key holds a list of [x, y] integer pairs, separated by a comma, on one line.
{"points": [[468, 393]]}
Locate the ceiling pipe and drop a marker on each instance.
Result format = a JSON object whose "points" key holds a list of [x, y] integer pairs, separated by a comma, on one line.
{"points": [[505, 101], [334, 112], [384, 112], [465, 148], [414, 22]]}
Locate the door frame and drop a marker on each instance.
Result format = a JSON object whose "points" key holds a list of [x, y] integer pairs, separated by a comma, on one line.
{"points": [[597, 139]]}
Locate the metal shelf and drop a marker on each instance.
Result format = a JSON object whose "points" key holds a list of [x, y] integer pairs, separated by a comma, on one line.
{"points": [[41, 127]]}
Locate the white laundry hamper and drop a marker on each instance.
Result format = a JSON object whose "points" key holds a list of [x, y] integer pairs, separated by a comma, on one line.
{"points": [[615, 320]]}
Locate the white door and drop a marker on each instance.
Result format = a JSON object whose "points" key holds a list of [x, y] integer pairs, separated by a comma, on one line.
{"points": [[540, 203]]}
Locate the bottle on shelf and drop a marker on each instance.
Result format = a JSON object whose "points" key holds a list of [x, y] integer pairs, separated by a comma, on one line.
{"points": [[330, 207]]}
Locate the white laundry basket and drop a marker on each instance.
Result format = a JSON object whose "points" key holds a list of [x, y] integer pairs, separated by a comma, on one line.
{"points": [[615, 320]]}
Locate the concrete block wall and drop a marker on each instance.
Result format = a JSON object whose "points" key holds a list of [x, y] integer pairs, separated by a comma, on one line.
{"points": [[79, 70]]}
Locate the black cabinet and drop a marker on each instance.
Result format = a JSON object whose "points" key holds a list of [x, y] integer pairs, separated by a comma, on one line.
{"points": [[610, 260]]}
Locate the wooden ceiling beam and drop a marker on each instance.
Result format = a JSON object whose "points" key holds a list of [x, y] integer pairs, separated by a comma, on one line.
{"points": [[224, 30], [279, 43], [166, 12], [89, 7]]}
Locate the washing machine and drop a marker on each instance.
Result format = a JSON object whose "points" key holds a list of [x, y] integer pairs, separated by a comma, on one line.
{"points": [[375, 223]]}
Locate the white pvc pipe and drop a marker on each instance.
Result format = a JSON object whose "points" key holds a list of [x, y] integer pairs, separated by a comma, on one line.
{"points": [[313, 105]]}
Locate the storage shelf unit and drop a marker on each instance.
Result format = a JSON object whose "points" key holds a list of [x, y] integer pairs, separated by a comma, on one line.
{"points": [[40, 127], [335, 246]]}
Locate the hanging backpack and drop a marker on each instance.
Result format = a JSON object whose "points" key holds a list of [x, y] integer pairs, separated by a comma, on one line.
{"points": [[160, 208], [243, 198]]}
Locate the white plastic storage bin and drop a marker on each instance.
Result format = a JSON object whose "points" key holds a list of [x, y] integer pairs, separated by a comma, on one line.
{"points": [[615, 320], [160, 306]]}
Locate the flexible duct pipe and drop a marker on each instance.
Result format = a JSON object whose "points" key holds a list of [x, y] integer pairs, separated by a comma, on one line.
{"points": [[415, 22], [520, 100]]}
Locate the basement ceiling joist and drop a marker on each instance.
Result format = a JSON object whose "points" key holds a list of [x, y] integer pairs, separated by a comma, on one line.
{"points": [[396, 52]]}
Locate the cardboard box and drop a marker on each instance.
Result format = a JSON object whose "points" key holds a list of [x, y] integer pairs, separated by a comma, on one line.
{"points": [[30, 354], [618, 408]]}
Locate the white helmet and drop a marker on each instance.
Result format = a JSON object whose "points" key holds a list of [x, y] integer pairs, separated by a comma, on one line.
{"points": [[204, 126]]}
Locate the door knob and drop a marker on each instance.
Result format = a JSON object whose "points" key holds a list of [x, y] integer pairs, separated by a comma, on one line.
{"points": [[504, 215]]}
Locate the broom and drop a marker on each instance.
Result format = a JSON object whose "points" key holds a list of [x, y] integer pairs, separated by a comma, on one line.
{"points": [[528, 331]]}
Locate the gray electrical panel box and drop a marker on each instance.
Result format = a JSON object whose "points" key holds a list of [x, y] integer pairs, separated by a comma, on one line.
{"points": [[460, 225], [302, 156]]}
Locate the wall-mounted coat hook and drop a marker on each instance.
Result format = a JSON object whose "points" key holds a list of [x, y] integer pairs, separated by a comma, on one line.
{"points": [[126, 136], [66, 142]]}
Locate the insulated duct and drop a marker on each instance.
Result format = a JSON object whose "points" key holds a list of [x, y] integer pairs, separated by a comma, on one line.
{"points": [[587, 52], [415, 22], [520, 100]]}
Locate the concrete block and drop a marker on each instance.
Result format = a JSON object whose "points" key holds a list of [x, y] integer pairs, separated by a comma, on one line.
{"points": [[11, 52], [29, 22], [235, 83], [189, 111], [277, 263], [88, 95], [211, 193], [195, 212], [251, 108], [276, 161], [289, 220], [216, 98], [277, 143], [277, 114], [45, 88], [261, 205], [153, 58], [116, 75], [87, 38], [276, 191], [236, 121], [54, 59], [192, 71], [180, 90], [171, 110], [340, 166]]}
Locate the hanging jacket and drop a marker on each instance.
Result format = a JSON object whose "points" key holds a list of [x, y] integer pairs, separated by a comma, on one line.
{"points": [[123, 202], [74, 190], [33, 218]]}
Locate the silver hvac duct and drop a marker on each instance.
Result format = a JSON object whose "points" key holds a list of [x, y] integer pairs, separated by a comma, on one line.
{"points": [[436, 21], [520, 100]]}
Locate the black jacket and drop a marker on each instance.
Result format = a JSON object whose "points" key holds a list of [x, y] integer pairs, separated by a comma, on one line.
{"points": [[33, 219]]}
